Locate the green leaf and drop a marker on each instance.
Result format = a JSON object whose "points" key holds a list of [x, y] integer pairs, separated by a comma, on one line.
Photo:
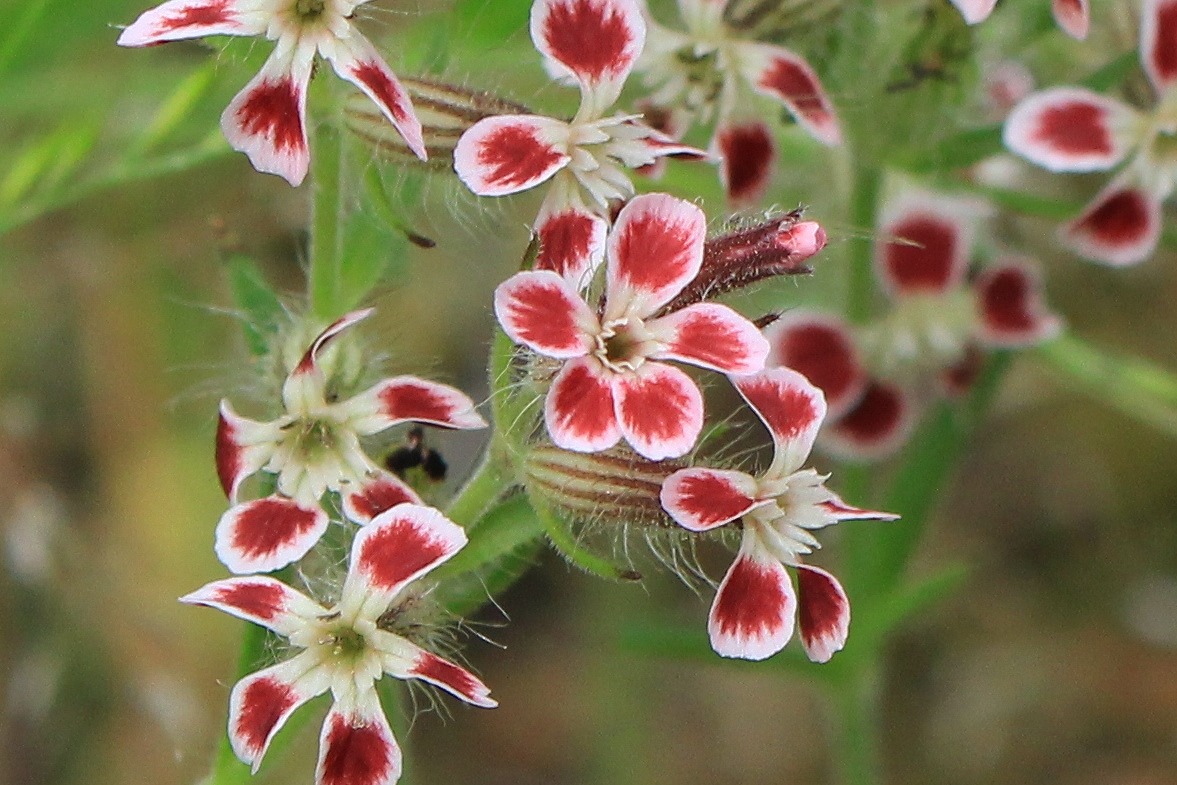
{"points": [[262, 309], [44, 164], [18, 34], [488, 22], [1141, 390], [175, 109]]}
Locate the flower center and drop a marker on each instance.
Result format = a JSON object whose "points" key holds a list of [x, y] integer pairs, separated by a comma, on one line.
{"points": [[310, 10], [314, 437], [621, 345], [923, 333]]}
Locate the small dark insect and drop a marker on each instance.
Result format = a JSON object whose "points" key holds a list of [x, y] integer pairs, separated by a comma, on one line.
{"points": [[415, 454]]}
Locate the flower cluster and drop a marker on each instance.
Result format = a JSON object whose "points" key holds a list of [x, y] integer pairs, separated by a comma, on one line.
{"points": [[709, 73], [593, 44], [622, 291], [1074, 129], [931, 340]]}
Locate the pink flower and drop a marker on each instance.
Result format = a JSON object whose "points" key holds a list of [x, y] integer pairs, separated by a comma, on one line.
{"points": [[1072, 129], [267, 120], [612, 384], [594, 44], [344, 649], [315, 448], [752, 616], [708, 72], [1071, 15]]}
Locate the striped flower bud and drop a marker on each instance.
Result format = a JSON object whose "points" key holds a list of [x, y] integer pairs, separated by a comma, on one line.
{"points": [[446, 111]]}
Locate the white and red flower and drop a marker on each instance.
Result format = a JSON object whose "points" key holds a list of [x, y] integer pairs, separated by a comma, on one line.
{"points": [[710, 72], [613, 384], [314, 448], [345, 649], [594, 44], [754, 611], [1073, 129], [1072, 16], [267, 120]]}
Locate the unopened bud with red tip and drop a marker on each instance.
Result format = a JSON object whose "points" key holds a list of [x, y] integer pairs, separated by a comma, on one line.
{"points": [[739, 258]]}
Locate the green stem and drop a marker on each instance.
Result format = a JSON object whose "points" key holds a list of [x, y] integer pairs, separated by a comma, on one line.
{"points": [[323, 274], [857, 722], [490, 480], [864, 200], [1142, 391]]}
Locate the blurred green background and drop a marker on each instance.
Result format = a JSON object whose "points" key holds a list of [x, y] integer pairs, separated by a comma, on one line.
{"points": [[1056, 662]]}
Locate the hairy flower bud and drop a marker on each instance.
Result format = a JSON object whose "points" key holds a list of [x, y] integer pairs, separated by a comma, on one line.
{"points": [[446, 111], [739, 258], [615, 486]]}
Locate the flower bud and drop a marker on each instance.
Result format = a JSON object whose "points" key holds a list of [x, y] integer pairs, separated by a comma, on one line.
{"points": [[612, 487], [446, 111], [780, 246]]}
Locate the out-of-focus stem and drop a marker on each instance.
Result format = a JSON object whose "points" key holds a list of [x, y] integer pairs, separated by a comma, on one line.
{"points": [[857, 719], [864, 202], [323, 279]]}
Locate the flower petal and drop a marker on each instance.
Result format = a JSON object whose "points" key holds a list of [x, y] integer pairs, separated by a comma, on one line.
{"points": [[260, 704], [452, 678], [243, 448], [974, 11], [510, 153], [266, 534], [926, 249], [701, 499], [356, 60], [541, 310], [303, 388], [1120, 227], [260, 599], [1072, 16], [655, 249], [178, 19], [791, 408], [747, 152], [752, 616], [786, 77], [876, 427], [823, 613], [1012, 309], [1070, 129], [571, 243], [379, 493], [395, 548], [712, 336], [267, 119], [579, 410], [597, 42], [660, 411], [356, 746], [820, 347], [401, 399], [1158, 42]]}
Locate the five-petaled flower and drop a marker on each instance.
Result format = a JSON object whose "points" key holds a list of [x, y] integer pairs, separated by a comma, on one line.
{"points": [[611, 384], [752, 616], [314, 448], [1072, 16], [593, 43], [1072, 129], [345, 649], [705, 74], [267, 119]]}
